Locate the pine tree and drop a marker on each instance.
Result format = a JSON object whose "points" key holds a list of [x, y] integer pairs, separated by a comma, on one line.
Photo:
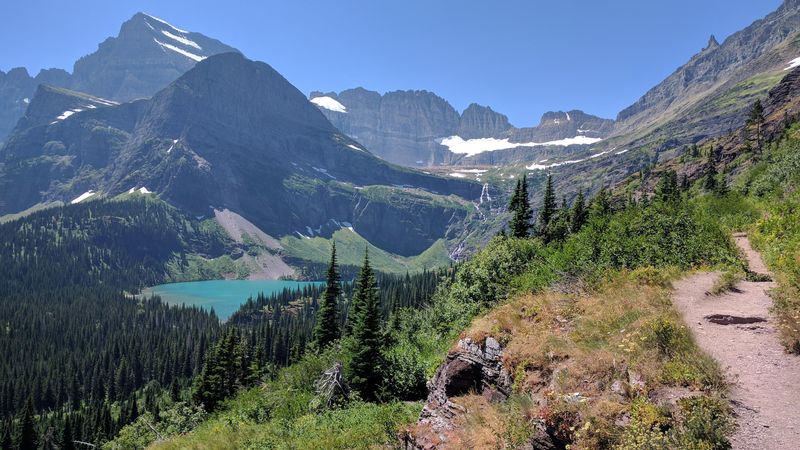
{"points": [[685, 183], [579, 213], [756, 118], [711, 171], [601, 203], [327, 328], [66, 436], [365, 345], [667, 189], [521, 209], [26, 437], [548, 210]]}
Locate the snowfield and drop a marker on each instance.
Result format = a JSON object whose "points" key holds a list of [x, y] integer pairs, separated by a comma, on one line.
{"points": [[82, 197], [329, 103], [471, 147]]}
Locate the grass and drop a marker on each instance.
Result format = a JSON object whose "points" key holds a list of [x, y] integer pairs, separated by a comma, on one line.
{"points": [[350, 252], [726, 282], [279, 415]]}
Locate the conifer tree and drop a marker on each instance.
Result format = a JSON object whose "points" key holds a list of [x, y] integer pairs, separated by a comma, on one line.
{"points": [[711, 171], [26, 437], [685, 182], [667, 189], [327, 327], [578, 218], [548, 210], [756, 118], [521, 209], [601, 203], [365, 344]]}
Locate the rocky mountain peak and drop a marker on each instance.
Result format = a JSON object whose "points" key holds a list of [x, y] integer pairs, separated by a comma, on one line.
{"points": [[712, 43], [481, 121], [146, 55]]}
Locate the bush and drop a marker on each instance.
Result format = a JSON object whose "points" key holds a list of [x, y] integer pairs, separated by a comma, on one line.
{"points": [[705, 425], [487, 278], [404, 374]]}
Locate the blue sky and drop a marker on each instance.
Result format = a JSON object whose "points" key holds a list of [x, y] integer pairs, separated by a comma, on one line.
{"points": [[520, 57]]}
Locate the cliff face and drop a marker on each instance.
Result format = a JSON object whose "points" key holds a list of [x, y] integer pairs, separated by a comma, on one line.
{"points": [[407, 127], [481, 121], [147, 55], [401, 127]]}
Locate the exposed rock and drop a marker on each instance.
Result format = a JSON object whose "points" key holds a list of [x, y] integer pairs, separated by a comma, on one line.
{"points": [[471, 368], [401, 127], [481, 121], [129, 66]]}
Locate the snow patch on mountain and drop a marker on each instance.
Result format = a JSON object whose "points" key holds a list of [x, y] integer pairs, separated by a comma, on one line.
{"points": [[470, 147], [181, 39], [539, 166], [329, 103], [793, 63], [82, 197], [181, 51]]}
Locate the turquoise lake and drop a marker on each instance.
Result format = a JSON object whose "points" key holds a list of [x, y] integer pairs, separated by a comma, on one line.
{"points": [[225, 296]]}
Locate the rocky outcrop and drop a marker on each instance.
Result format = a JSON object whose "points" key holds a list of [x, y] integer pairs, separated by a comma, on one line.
{"points": [[401, 127], [16, 91], [472, 367], [556, 125]]}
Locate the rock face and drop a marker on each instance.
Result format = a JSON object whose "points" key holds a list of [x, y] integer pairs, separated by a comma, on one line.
{"points": [[401, 127], [145, 57], [471, 368], [715, 65], [481, 121], [16, 90], [556, 125], [407, 127], [230, 133]]}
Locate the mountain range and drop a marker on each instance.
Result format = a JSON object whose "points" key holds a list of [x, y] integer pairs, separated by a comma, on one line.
{"points": [[419, 128], [164, 111], [146, 55]]}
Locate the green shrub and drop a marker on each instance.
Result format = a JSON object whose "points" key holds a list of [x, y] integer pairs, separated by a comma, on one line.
{"points": [[705, 425]]}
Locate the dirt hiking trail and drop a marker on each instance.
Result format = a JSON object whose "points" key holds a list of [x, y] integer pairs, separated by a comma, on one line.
{"points": [[736, 329]]}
